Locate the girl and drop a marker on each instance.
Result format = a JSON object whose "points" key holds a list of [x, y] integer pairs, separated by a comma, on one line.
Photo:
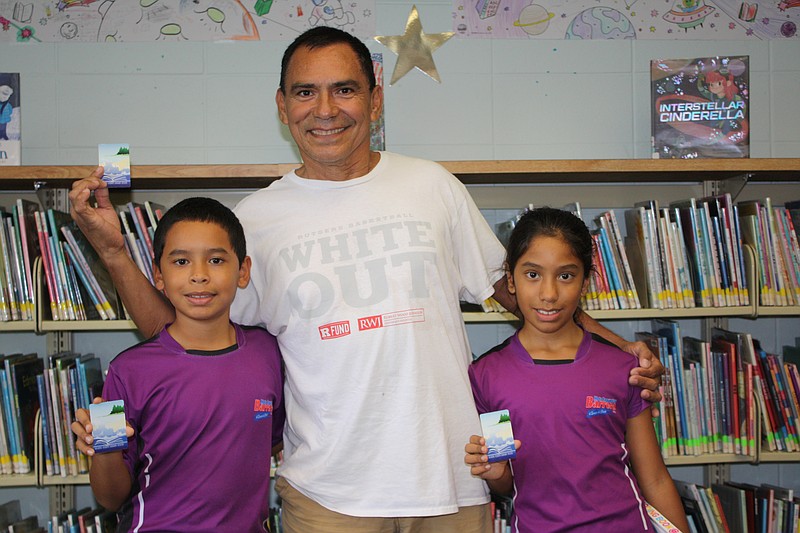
{"points": [[581, 427]]}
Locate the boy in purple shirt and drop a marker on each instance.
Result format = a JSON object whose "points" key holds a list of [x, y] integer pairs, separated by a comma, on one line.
{"points": [[203, 398]]}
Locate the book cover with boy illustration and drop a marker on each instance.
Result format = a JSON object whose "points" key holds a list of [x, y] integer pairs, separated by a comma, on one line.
{"points": [[9, 119], [700, 107]]}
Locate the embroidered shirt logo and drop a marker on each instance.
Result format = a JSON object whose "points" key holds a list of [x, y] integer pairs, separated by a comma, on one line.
{"points": [[597, 405], [262, 409]]}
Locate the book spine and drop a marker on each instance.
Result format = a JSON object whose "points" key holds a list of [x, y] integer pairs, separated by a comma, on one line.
{"points": [[18, 268], [5, 447], [11, 425], [12, 297], [49, 421], [48, 457]]}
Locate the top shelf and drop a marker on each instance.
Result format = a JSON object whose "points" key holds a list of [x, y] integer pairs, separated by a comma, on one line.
{"points": [[469, 172]]}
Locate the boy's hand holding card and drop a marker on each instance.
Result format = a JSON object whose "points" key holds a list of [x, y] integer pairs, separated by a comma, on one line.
{"points": [[116, 162], [108, 426], [499, 438]]}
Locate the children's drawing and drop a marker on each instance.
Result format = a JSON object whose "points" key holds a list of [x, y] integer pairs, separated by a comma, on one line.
{"points": [[626, 19], [178, 20]]}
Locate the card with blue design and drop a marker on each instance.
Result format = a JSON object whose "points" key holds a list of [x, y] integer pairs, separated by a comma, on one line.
{"points": [[499, 437], [116, 162], [108, 426]]}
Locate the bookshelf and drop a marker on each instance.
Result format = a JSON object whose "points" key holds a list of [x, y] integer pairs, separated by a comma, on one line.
{"points": [[495, 186]]}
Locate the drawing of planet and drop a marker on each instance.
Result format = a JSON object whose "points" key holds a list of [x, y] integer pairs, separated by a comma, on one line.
{"points": [[533, 19], [600, 23]]}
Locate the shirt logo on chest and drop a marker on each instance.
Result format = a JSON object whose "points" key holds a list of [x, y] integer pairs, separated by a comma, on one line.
{"points": [[598, 405], [262, 409]]}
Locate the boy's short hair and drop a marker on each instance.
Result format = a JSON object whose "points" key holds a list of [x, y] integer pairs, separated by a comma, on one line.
{"points": [[200, 209]]}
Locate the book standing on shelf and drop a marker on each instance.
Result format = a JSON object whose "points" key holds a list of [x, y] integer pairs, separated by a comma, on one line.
{"points": [[700, 107]]}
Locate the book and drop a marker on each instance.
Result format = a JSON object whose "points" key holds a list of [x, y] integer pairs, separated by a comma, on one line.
{"points": [[44, 407], [642, 242], [5, 446], [10, 512], [8, 285], [10, 119], [686, 214], [695, 503], [660, 522], [697, 352], [666, 427], [733, 504], [16, 267], [94, 270], [23, 373], [670, 330], [26, 226], [700, 107]]}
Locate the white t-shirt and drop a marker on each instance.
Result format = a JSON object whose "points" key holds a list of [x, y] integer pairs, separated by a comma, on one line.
{"points": [[360, 281]]}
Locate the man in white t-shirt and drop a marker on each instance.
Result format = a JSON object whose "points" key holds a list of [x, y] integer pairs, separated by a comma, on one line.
{"points": [[360, 259]]}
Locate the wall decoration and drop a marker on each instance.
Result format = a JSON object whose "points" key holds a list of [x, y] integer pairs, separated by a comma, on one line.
{"points": [[10, 118], [178, 20], [626, 19], [700, 107], [414, 48]]}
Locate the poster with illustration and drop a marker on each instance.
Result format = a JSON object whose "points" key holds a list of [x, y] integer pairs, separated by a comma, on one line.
{"points": [[700, 107], [110, 21], [9, 119], [626, 19]]}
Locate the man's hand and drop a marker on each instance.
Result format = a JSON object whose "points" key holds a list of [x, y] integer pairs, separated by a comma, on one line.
{"points": [[99, 224], [648, 374]]}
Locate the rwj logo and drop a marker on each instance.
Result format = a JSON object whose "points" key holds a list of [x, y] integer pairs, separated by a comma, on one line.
{"points": [[262, 409], [597, 405]]}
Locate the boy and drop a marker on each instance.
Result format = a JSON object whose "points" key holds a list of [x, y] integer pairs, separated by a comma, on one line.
{"points": [[203, 398]]}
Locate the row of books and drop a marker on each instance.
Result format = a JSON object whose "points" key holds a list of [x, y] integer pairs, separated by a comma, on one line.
{"points": [[721, 395], [56, 386], [78, 287], [84, 520], [688, 254], [19, 246], [733, 507], [87, 520], [611, 285], [11, 519], [773, 232], [139, 222]]}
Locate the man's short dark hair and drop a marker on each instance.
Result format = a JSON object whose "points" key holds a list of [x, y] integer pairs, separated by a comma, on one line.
{"points": [[321, 37], [200, 209]]}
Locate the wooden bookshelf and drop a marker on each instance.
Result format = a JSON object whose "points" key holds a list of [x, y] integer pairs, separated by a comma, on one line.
{"points": [[469, 172], [494, 184]]}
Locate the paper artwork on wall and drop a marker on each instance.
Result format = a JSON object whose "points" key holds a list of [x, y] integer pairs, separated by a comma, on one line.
{"points": [[178, 20], [627, 19]]}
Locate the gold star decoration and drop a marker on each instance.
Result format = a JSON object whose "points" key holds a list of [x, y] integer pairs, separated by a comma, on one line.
{"points": [[414, 48]]}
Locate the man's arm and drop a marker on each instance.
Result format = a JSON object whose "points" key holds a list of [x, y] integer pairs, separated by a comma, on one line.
{"points": [[100, 225]]}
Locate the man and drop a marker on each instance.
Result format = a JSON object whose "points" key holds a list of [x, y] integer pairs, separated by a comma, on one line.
{"points": [[359, 261]]}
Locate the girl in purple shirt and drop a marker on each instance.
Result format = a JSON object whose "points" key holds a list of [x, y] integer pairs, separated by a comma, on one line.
{"points": [[588, 456]]}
